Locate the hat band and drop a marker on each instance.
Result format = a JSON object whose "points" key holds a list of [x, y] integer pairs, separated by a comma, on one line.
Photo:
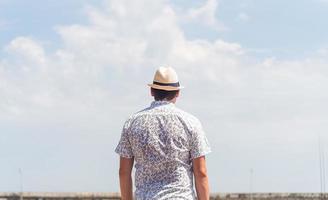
{"points": [[177, 84]]}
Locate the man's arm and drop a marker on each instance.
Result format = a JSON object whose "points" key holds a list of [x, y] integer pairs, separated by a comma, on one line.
{"points": [[201, 179], [126, 165]]}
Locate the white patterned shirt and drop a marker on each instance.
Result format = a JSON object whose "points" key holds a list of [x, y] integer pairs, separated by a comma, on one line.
{"points": [[163, 141]]}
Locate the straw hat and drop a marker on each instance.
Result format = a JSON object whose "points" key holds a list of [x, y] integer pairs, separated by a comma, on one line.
{"points": [[166, 79]]}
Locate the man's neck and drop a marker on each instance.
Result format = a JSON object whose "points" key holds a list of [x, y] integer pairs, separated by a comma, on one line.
{"points": [[171, 101]]}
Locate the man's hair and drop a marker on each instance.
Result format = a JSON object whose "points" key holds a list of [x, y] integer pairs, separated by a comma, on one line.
{"points": [[160, 95]]}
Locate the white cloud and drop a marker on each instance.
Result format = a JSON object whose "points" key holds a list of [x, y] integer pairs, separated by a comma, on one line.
{"points": [[99, 74], [244, 17], [28, 49], [206, 15], [322, 52]]}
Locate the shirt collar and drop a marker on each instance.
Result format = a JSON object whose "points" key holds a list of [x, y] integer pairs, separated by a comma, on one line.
{"points": [[160, 103]]}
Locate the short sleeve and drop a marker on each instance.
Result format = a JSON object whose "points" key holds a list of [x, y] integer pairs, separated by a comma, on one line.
{"points": [[199, 145], [124, 147]]}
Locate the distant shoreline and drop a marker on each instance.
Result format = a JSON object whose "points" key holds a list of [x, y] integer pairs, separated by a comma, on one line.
{"points": [[116, 195]]}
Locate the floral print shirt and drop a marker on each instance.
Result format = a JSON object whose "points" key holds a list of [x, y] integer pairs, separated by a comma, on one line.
{"points": [[163, 140]]}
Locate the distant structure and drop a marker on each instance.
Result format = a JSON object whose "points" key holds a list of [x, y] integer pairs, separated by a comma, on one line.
{"points": [[59, 196], [116, 196]]}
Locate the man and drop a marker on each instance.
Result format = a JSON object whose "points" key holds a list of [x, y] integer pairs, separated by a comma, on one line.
{"points": [[168, 146]]}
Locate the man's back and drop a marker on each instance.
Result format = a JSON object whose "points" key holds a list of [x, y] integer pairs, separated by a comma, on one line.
{"points": [[163, 141]]}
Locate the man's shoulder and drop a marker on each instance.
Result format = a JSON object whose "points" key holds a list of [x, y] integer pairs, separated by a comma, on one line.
{"points": [[136, 115], [187, 115], [178, 112]]}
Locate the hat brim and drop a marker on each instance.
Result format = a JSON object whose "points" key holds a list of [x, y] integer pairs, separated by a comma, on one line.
{"points": [[164, 87]]}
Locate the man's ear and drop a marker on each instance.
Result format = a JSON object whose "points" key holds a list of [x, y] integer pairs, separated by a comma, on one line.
{"points": [[178, 93]]}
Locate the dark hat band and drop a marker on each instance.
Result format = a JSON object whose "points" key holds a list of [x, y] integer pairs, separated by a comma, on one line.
{"points": [[177, 84]]}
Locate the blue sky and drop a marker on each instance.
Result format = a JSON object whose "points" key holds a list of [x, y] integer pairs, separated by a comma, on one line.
{"points": [[72, 71], [285, 28]]}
